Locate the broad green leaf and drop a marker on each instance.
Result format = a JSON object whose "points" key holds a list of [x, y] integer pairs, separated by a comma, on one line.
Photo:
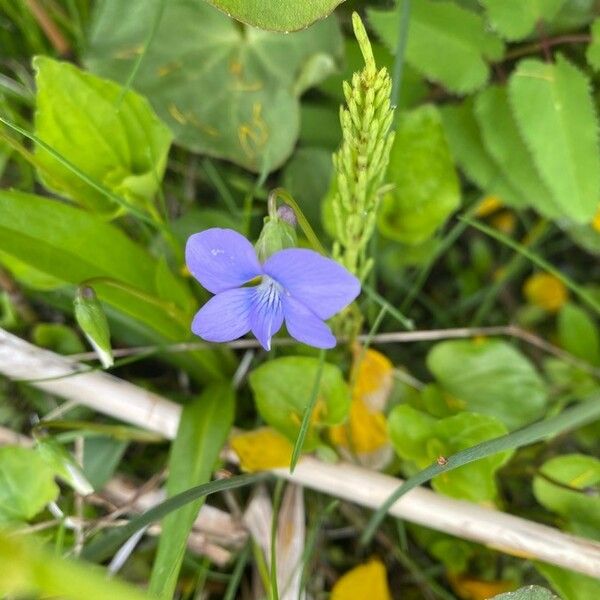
{"points": [[470, 153], [169, 287], [516, 19], [203, 429], [422, 439], [454, 553], [197, 219], [578, 333], [446, 43], [26, 484], [225, 90], [277, 15], [556, 116], [504, 143], [490, 377], [583, 414], [593, 50], [579, 506], [587, 236], [531, 592], [74, 246], [29, 570], [570, 585], [57, 337], [425, 184], [123, 146], [282, 390]]}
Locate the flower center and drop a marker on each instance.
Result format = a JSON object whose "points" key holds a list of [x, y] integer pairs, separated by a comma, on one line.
{"points": [[268, 292]]}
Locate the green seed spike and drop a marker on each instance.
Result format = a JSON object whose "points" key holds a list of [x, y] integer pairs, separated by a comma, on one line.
{"points": [[363, 41], [361, 161]]}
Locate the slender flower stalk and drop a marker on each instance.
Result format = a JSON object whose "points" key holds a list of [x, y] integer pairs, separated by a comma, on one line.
{"points": [[362, 159]]}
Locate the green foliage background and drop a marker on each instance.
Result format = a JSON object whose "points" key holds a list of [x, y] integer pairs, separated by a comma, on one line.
{"points": [[127, 126]]}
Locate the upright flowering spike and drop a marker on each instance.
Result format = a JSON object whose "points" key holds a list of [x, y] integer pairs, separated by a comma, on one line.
{"points": [[295, 285]]}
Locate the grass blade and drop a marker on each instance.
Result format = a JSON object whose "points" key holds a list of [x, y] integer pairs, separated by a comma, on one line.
{"points": [[203, 429], [299, 444]]}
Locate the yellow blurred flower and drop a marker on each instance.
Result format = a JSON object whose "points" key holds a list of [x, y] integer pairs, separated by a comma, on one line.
{"points": [[546, 291], [470, 588], [365, 581], [372, 374], [487, 206], [364, 435], [596, 222], [504, 221], [365, 431], [262, 449]]}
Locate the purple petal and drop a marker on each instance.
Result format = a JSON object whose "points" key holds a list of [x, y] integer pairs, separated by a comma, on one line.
{"points": [[221, 259], [225, 317], [266, 317], [321, 284], [305, 326]]}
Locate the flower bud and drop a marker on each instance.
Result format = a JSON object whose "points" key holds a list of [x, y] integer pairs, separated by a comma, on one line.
{"points": [[91, 319], [277, 234]]}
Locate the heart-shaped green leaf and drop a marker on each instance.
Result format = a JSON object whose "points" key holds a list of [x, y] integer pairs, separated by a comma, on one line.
{"points": [[225, 89]]}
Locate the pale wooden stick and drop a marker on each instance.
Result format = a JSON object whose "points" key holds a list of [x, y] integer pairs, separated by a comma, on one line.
{"points": [[125, 401]]}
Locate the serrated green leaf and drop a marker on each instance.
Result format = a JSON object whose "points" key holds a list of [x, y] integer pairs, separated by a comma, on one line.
{"points": [[425, 184], [578, 333], [593, 50], [122, 146], [203, 429], [468, 150], [422, 439], [225, 90], [556, 116], [26, 484], [504, 143], [490, 377], [282, 389], [516, 19], [446, 43], [277, 15]]}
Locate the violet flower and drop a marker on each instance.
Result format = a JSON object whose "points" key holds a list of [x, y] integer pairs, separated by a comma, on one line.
{"points": [[296, 285]]}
